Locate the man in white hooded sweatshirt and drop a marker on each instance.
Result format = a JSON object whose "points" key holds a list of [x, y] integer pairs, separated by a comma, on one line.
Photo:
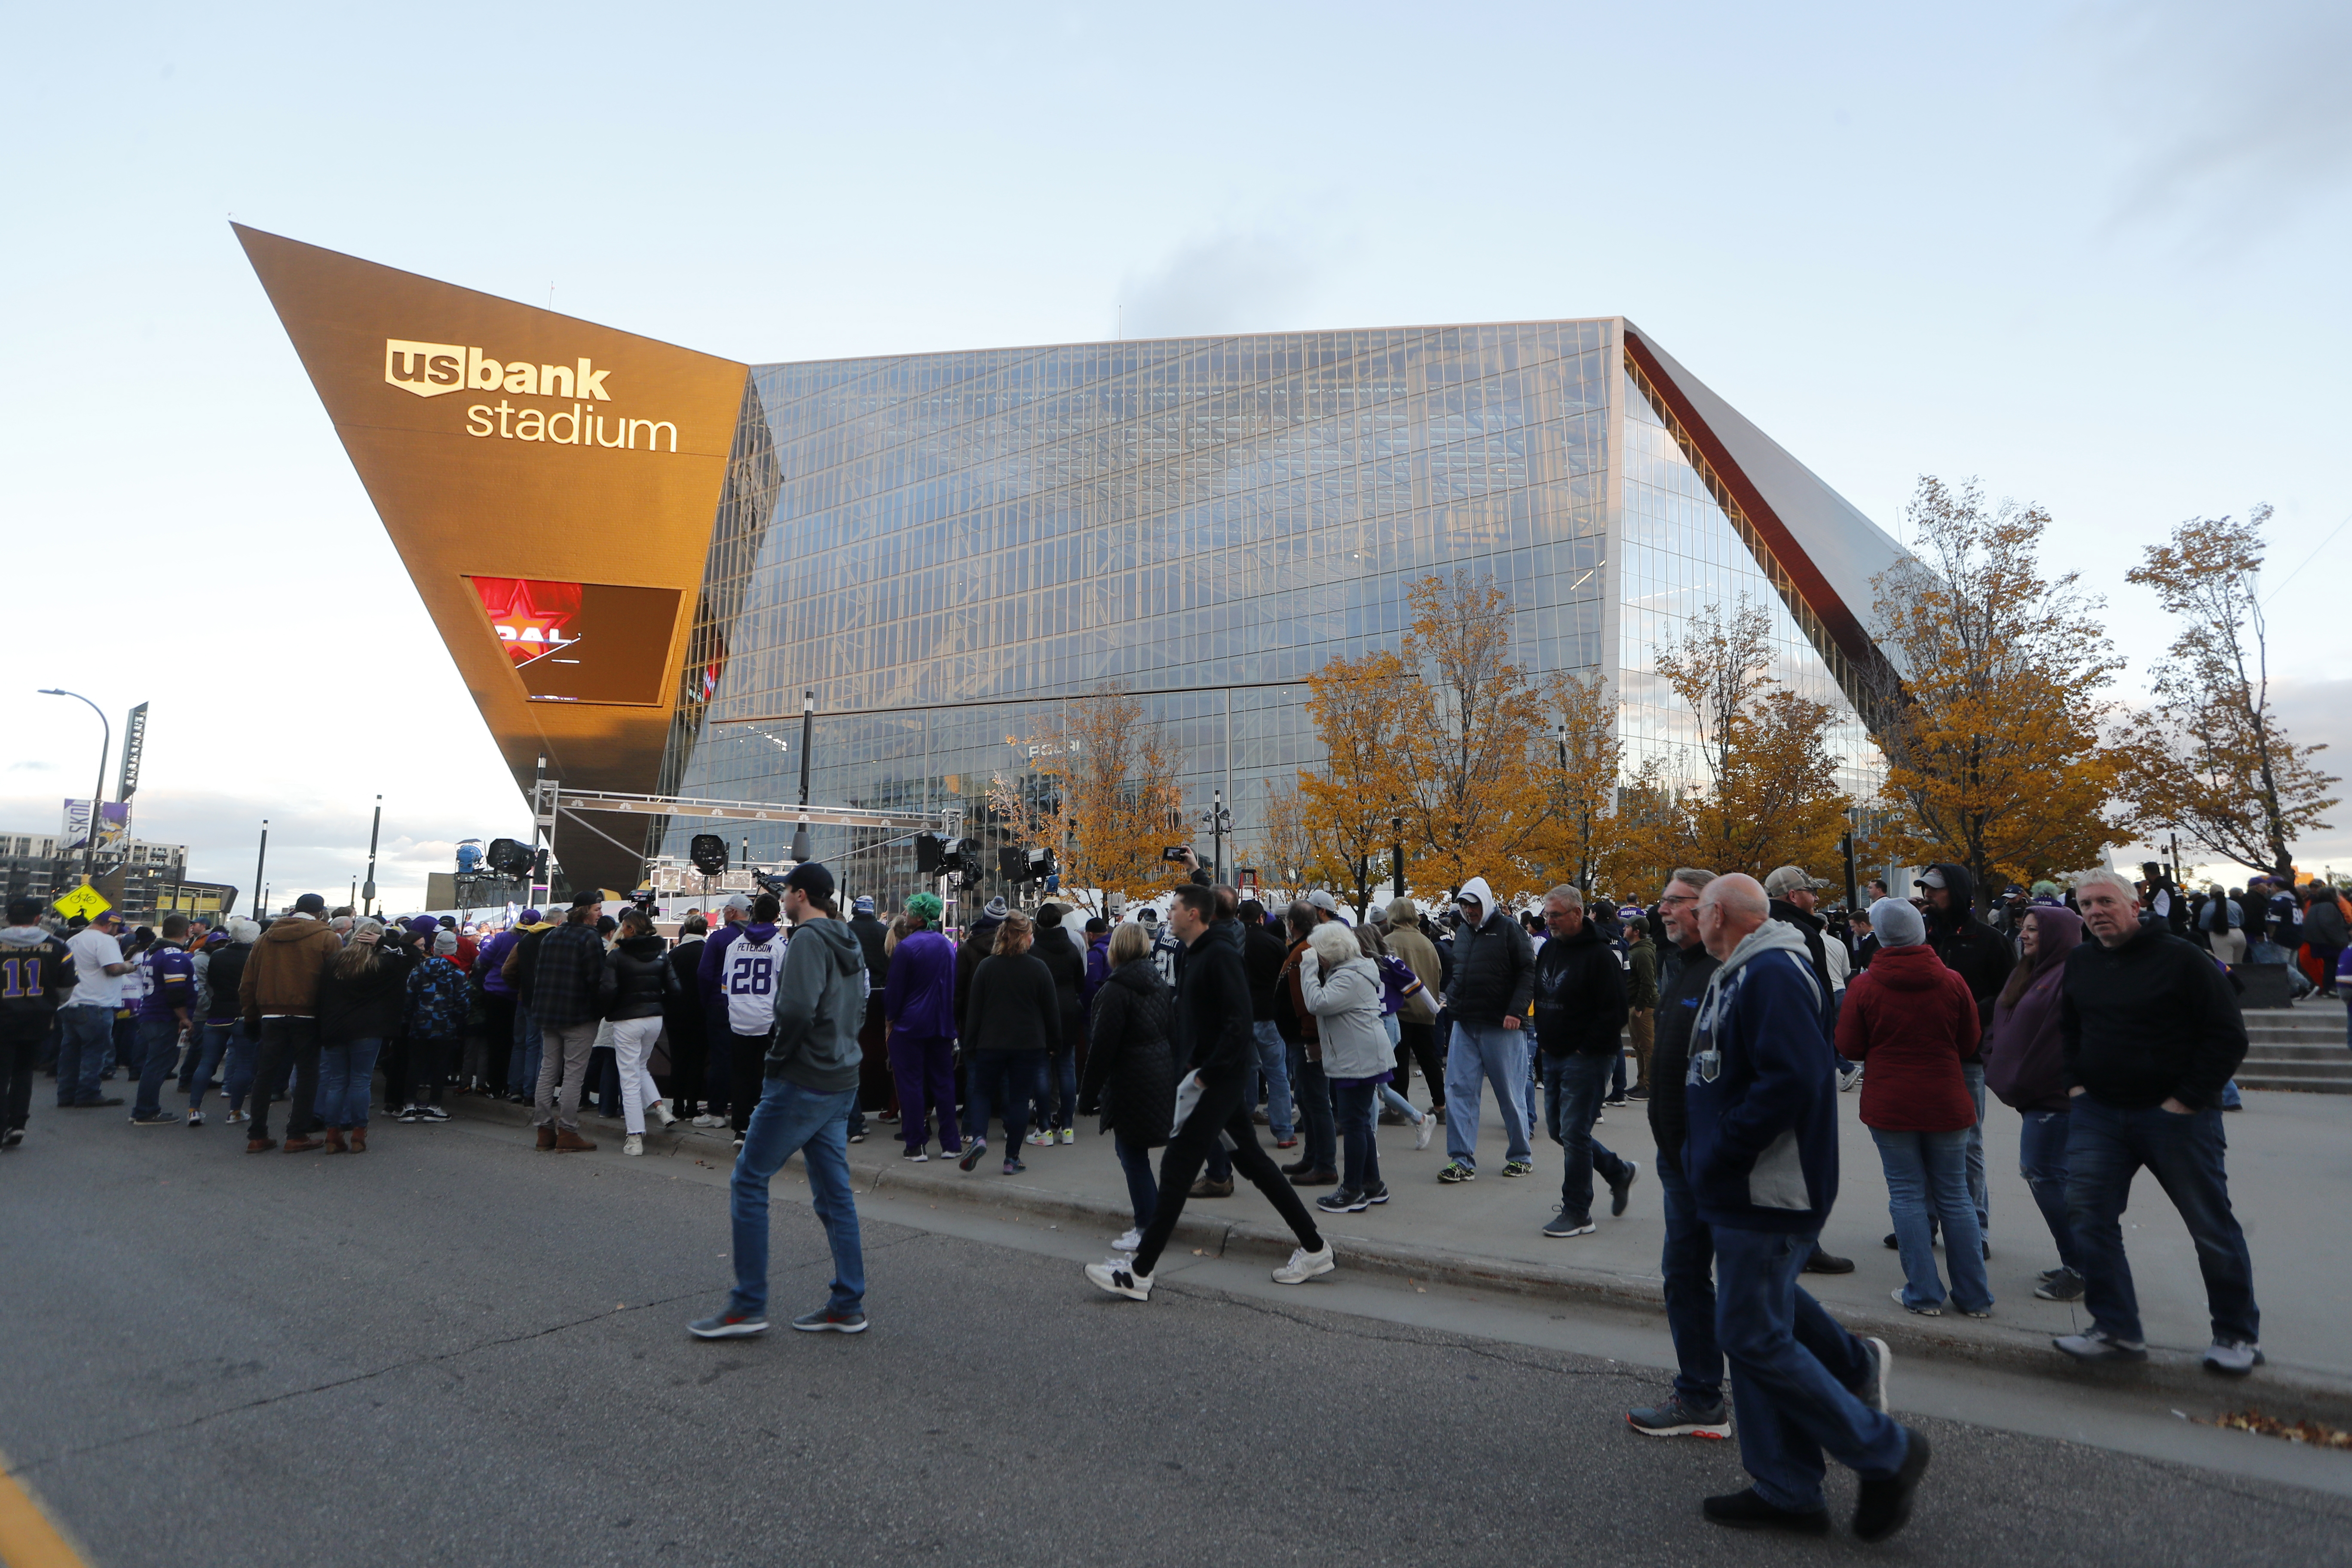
{"points": [[1494, 980]]}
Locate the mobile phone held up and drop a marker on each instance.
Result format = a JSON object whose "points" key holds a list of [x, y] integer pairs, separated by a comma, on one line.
{"points": [[1176, 852]]}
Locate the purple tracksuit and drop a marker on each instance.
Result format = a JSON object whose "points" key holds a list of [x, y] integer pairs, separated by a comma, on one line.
{"points": [[919, 998]]}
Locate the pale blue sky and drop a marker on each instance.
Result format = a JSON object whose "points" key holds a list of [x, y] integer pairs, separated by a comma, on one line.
{"points": [[2093, 253]]}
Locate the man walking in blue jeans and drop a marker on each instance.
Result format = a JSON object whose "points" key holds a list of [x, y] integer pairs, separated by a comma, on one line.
{"points": [[811, 1083], [1760, 1097], [2152, 1031], [1580, 1010], [1493, 979]]}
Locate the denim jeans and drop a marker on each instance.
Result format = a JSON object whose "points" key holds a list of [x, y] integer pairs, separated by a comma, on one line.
{"points": [[1973, 1074], [288, 1045], [1487, 1053], [213, 1043], [1062, 1077], [346, 1075], [1142, 1191], [1352, 1108], [2042, 1161], [791, 1119], [1311, 1097], [85, 1039], [159, 1055], [1274, 1062], [1573, 1086], [1792, 1407], [1006, 1083], [239, 1063], [2105, 1147], [1927, 1173]]}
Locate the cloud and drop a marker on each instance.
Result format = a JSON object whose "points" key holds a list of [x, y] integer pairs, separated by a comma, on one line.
{"points": [[2235, 117], [1235, 281]]}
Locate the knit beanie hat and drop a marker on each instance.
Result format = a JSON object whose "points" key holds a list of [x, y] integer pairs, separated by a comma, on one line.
{"points": [[1896, 924]]}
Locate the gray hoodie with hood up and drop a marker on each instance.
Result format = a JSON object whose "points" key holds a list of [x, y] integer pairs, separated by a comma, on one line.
{"points": [[820, 1002]]}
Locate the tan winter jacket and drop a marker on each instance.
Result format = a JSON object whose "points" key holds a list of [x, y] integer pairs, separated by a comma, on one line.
{"points": [[282, 976]]}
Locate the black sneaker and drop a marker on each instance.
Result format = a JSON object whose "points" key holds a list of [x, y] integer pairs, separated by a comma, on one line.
{"points": [[160, 1119], [410, 1113], [825, 1320], [972, 1154], [1456, 1171], [1347, 1200], [1673, 1418], [1562, 1225], [1820, 1262], [1519, 1167], [1746, 1510], [2063, 1285], [1377, 1194], [1882, 1507], [1618, 1190]]}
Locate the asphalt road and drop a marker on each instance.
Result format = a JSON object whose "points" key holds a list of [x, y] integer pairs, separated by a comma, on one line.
{"points": [[453, 1350]]}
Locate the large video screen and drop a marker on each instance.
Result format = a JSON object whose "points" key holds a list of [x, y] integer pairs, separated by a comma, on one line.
{"points": [[583, 642]]}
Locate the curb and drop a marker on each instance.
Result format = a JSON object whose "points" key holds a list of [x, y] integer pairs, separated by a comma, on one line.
{"points": [[2289, 1393]]}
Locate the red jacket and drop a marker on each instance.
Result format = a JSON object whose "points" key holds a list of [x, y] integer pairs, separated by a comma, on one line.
{"points": [[1912, 1020]]}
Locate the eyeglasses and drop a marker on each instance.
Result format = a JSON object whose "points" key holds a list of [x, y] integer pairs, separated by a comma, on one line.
{"points": [[1681, 899]]}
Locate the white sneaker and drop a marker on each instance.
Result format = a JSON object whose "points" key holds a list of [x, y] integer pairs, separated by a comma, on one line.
{"points": [[2232, 1358], [1304, 1266], [709, 1121], [1118, 1277], [1039, 1140], [1130, 1242], [1424, 1132], [634, 1144], [195, 1119], [235, 1117], [660, 1111], [1068, 1136]]}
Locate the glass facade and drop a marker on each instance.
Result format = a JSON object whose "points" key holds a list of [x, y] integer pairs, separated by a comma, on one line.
{"points": [[939, 547]]}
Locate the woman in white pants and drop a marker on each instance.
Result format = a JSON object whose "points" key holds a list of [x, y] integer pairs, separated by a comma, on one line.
{"points": [[638, 981]]}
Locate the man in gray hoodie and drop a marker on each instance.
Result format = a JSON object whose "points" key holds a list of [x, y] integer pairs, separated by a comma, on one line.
{"points": [[811, 1085]]}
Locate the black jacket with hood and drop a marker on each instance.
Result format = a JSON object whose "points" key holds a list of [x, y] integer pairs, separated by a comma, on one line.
{"points": [[1131, 1061], [1579, 995], [1068, 965], [638, 981], [1494, 964], [1970, 948]]}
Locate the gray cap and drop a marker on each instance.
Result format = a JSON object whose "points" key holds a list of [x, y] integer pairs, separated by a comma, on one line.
{"points": [[739, 901], [1896, 924], [1787, 879], [1323, 900], [1934, 879]]}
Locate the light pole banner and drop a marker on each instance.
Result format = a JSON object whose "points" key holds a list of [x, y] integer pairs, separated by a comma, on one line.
{"points": [[113, 824]]}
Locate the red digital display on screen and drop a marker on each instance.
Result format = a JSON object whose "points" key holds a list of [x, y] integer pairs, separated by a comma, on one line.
{"points": [[583, 642]]}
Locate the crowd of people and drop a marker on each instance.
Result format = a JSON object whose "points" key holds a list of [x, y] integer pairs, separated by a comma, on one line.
{"points": [[2106, 1013]]}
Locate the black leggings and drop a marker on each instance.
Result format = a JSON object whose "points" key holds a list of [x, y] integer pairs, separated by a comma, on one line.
{"points": [[1418, 1042], [1220, 1111]]}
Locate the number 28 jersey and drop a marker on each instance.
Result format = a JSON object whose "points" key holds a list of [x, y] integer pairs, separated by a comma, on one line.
{"points": [[749, 982]]}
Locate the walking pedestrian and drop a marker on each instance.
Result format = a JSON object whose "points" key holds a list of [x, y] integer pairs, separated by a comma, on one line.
{"points": [[2151, 1032], [1012, 1028], [1341, 987], [1910, 1021], [166, 1016], [1214, 1047], [36, 978], [1579, 1018], [1981, 957], [567, 969], [280, 990], [638, 983], [1131, 1070], [918, 999], [1493, 983], [1761, 1103], [1261, 956], [362, 999], [809, 1082], [2025, 1066]]}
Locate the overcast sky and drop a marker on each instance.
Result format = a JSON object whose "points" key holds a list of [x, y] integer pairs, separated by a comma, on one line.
{"points": [[2094, 255]]}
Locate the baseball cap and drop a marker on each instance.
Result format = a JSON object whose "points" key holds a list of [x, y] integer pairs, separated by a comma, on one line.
{"points": [[812, 878], [1786, 880], [1147, 915], [1934, 879], [424, 925], [581, 901], [529, 918], [1322, 900], [739, 901], [24, 910], [863, 905], [106, 917]]}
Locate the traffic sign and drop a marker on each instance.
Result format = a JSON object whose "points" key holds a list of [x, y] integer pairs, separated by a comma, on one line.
{"points": [[86, 901]]}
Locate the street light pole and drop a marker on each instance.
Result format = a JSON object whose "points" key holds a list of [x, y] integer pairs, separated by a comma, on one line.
{"points": [[808, 729], [1396, 854], [261, 888], [374, 829], [98, 795]]}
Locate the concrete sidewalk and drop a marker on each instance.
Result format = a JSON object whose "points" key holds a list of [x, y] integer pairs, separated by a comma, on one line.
{"points": [[2290, 1167]]}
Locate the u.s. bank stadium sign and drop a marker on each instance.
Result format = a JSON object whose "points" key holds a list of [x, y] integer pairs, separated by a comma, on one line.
{"points": [[576, 387]]}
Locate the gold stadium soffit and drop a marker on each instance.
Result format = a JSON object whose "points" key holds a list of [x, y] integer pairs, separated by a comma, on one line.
{"points": [[570, 799], [549, 483]]}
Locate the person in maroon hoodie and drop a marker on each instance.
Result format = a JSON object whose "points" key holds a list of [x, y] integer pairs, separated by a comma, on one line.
{"points": [[1914, 1021], [2025, 1066]]}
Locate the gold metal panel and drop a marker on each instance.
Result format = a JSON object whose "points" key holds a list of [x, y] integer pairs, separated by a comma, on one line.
{"points": [[500, 440]]}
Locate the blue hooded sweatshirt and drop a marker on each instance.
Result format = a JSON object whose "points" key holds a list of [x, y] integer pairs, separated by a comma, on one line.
{"points": [[1761, 1091]]}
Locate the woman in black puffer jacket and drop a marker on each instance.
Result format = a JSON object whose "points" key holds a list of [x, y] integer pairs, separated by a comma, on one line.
{"points": [[1131, 1068], [638, 983]]}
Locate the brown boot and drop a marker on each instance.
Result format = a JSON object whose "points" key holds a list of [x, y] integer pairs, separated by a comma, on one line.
{"points": [[570, 1142], [547, 1138], [335, 1145], [302, 1145], [259, 1145], [359, 1140]]}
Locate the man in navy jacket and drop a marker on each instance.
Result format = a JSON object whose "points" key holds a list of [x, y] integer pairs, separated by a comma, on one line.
{"points": [[1760, 1093]]}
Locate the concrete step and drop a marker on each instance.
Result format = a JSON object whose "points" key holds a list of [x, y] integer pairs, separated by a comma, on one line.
{"points": [[2247, 1079], [2333, 1052]]}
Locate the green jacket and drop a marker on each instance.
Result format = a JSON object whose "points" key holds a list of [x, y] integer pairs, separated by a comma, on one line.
{"points": [[1643, 959]]}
